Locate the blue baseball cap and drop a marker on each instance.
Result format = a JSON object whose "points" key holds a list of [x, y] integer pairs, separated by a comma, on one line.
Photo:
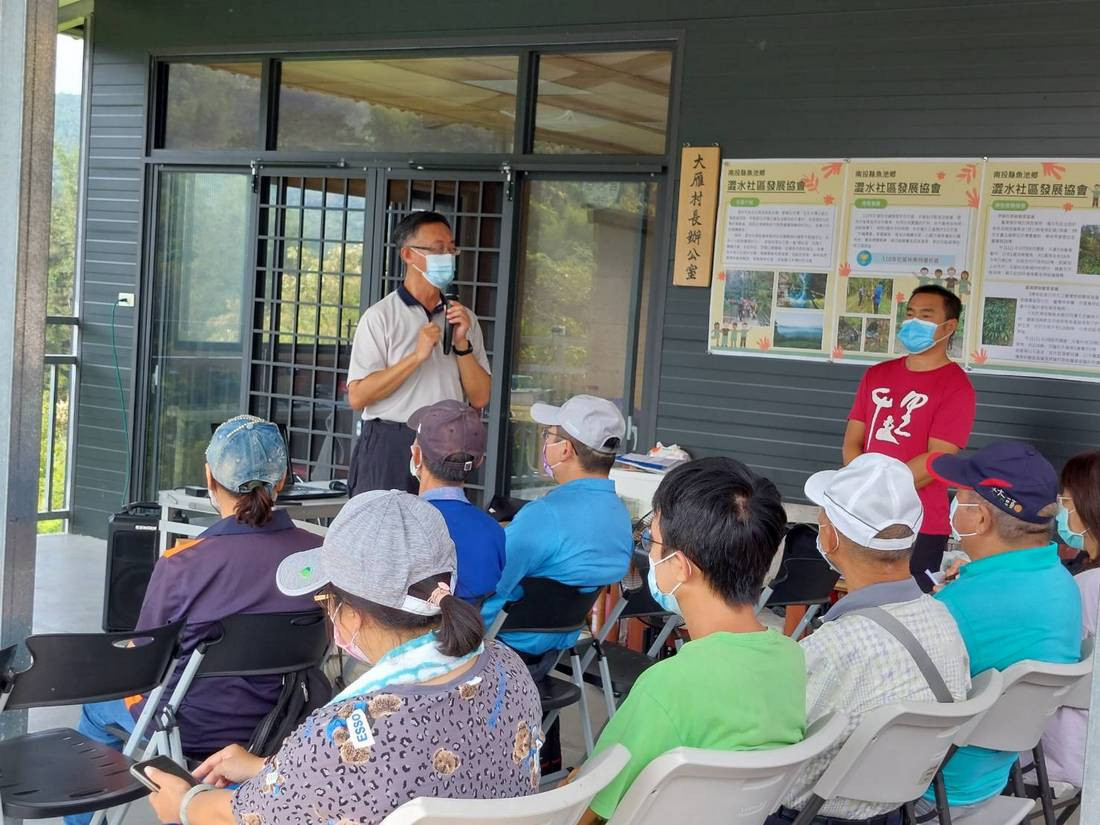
{"points": [[1011, 475], [247, 452]]}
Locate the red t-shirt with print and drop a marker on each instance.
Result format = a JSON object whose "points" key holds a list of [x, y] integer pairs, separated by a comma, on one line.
{"points": [[902, 409]]}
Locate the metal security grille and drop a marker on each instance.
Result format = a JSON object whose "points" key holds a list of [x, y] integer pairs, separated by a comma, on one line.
{"points": [[477, 212], [309, 272]]}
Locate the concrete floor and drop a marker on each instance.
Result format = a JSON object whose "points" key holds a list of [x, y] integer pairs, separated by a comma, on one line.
{"points": [[68, 597]]}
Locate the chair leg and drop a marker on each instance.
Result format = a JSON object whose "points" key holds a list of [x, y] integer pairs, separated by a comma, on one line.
{"points": [[765, 594], [608, 691], [1046, 794], [811, 611], [943, 808], [582, 705], [1017, 778]]}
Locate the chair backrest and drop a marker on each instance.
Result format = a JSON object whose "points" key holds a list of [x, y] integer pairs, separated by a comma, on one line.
{"points": [[1031, 693], [561, 806], [548, 606], [802, 581], [894, 753], [707, 787], [257, 644], [69, 668]]}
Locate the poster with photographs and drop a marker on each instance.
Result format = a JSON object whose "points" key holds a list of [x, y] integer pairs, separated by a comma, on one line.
{"points": [[775, 257], [908, 223], [1040, 285]]}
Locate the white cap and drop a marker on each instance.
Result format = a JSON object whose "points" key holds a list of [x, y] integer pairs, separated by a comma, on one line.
{"points": [[595, 422], [870, 494]]}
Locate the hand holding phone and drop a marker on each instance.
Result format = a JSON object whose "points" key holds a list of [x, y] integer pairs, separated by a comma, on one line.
{"points": [[161, 763]]}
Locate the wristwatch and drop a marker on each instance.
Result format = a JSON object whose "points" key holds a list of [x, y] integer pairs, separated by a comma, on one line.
{"points": [[467, 351]]}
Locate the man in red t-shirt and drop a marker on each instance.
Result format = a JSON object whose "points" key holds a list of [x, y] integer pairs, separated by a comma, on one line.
{"points": [[910, 407]]}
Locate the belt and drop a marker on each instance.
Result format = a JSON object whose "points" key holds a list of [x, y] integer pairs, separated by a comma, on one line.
{"points": [[888, 818], [394, 425]]}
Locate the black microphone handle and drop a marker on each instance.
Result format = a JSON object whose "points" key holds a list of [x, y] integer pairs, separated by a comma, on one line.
{"points": [[448, 329]]}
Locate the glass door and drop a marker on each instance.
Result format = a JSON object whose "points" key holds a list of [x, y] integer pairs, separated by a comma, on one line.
{"points": [[306, 305], [587, 249], [480, 211], [198, 290]]}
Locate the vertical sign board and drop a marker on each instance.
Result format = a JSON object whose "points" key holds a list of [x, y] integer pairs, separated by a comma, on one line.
{"points": [[775, 258], [909, 223], [695, 215], [1040, 285]]}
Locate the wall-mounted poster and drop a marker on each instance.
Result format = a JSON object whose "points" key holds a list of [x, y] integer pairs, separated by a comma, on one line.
{"points": [[1040, 287], [908, 223], [775, 254]]}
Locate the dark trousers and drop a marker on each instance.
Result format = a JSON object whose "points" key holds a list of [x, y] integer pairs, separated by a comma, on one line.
{"points": [[380, 460], [927, 555], [785, 816]]}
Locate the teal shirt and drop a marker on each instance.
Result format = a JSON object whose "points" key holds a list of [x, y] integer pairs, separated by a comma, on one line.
{"points": [[1018, 605], [578, 534]]}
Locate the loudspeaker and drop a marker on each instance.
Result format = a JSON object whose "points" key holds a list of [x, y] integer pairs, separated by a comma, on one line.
{"points": [[131, 554]]}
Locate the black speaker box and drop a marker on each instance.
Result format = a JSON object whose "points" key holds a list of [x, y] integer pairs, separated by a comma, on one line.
{"points": [[131, 553]]}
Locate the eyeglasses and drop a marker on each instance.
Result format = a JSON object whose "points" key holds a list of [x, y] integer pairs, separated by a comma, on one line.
{"points": [[437, 250], [329, 603], [1066, 502], [547, 435], [647, 541]]}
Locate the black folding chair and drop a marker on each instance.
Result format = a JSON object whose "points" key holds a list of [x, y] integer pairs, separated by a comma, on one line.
{"points": [[804, 578], [548, 606], [246, 644], [614, 667], [59, 772]]}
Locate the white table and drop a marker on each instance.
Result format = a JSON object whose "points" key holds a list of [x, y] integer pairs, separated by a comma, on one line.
{"points": [[174, 503], [637, 487]]}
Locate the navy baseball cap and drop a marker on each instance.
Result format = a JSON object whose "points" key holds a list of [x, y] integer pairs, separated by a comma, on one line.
{"points": [[1011, 475]]}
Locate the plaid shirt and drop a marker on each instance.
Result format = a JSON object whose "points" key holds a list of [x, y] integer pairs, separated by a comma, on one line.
{"points": [[855, 666]]}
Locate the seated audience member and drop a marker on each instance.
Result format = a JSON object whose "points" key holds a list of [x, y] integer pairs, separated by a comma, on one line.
{"points": [[870, 517], [1014, 600], [228, 569], [577, 534], [449, 447], [440, 713], [1079, 528], [736, 685]]}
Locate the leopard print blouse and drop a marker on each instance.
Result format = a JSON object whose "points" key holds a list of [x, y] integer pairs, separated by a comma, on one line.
{"points": [[477, 737]]}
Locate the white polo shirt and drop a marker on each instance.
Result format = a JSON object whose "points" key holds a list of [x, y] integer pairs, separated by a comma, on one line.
{"points": [[387, 333]]}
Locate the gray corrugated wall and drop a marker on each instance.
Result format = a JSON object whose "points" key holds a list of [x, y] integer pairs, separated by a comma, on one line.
{"points": [[767, 78]]}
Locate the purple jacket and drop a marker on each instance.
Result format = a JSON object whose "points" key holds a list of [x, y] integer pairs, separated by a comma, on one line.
{"points": [[228, 569]]}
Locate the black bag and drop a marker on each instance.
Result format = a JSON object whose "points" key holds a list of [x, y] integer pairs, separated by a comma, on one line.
{"points": [[303, 692]]}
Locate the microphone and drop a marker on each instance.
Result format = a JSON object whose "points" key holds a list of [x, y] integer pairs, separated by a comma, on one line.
{"points": [[448, 329]]}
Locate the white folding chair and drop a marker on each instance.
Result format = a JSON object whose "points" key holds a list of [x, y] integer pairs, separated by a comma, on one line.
{"points": [[561, 806], [1031, 693], [896, 750], [707, 787]]}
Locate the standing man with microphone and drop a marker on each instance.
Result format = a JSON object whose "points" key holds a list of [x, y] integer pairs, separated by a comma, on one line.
{"points": [[398, 363]]}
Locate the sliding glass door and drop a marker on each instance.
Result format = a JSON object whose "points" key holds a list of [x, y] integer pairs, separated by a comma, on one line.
{"points": [[197, 307]]}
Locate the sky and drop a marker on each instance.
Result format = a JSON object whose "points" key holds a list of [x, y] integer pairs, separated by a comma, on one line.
{"points": [[70, 60]]}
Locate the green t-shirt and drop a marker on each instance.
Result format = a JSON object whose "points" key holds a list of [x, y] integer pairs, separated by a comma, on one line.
{"points": [[726, 691]]}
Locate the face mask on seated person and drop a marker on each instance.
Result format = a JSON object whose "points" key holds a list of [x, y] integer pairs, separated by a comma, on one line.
{"points": [[667, 601], [918, 335], [1070, 537]]}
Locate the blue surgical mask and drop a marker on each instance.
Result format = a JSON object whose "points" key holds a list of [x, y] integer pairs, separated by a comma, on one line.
{"points": [[1070, 537], [918, 335], [667, 601], [440, 271]]}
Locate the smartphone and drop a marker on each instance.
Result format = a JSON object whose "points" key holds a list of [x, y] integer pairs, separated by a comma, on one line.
{"points": [[161, 763]]}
